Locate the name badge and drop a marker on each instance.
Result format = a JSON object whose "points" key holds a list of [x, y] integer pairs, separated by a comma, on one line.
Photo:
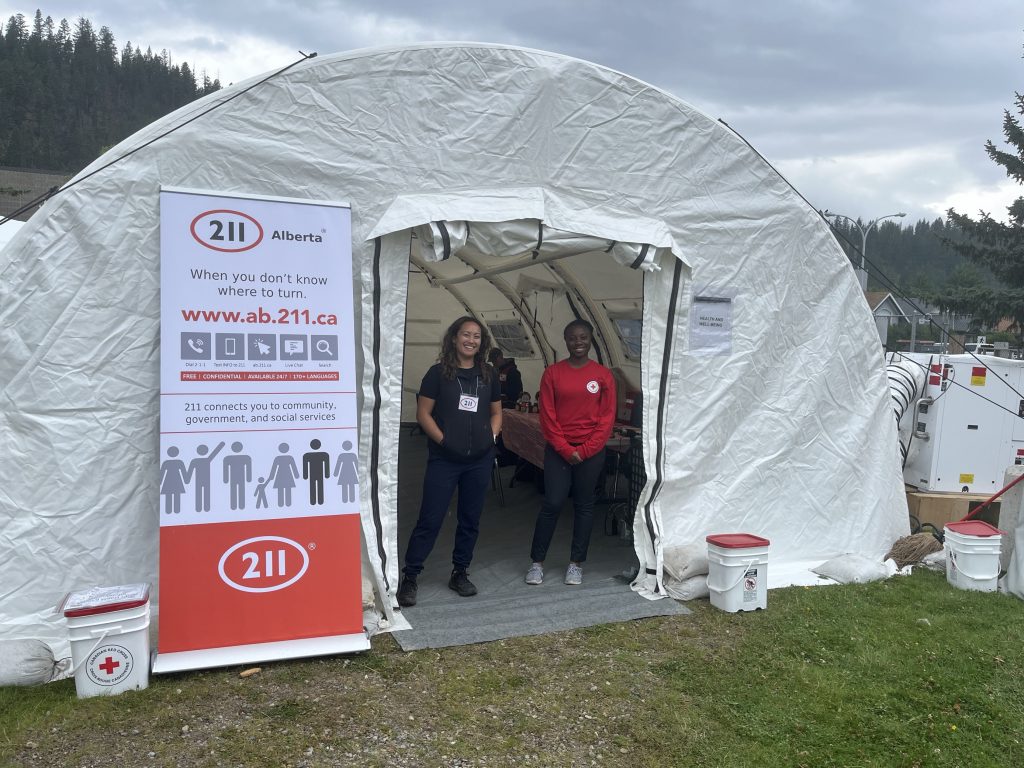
{"points": [[468, 403]]}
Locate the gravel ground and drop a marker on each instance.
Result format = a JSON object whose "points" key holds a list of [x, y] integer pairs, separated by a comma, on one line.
{"points": [[564, 699]]}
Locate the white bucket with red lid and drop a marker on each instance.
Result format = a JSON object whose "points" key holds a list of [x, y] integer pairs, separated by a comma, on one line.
{"points": [[109, 632], [972, 555], [738, 571]]}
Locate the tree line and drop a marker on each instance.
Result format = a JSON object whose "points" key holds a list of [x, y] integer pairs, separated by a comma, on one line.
{"points": [[918, 260], [67, 93]]}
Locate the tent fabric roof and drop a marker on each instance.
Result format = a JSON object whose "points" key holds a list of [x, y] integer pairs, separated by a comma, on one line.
{"points": [[501, 205], [8, 230], [784, 432]]}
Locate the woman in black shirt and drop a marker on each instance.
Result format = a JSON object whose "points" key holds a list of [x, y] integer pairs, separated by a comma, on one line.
{"points": [[458, 406]]}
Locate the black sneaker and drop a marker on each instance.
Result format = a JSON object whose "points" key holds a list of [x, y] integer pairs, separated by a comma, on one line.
{"points": [[407, 589], [460, 583]]}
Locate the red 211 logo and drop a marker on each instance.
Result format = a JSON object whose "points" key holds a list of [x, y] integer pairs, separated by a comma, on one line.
{"points": [[263, 564], [226, 231]]}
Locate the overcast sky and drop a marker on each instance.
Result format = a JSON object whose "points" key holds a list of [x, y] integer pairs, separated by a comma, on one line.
{"points": [[867, 107]]}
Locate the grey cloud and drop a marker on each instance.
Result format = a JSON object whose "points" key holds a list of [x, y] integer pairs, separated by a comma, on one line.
{"points": [[206, 44], [805, 81]]}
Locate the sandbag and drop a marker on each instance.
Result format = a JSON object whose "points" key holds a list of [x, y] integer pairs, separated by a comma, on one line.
{"points": [[692, 588], [29, 662], [368, 593], [855, 569], [688, 560]]}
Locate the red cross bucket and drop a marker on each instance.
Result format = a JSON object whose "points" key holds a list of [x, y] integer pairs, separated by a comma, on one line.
{"points": [[109, 632]]}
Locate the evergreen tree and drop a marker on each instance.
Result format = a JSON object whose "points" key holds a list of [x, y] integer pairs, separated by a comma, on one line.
{"points": [[16, 31], [993, 245], [66, 93], [64, 44]]}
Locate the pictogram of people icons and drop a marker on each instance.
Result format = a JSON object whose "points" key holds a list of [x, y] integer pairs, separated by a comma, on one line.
{"points": [[314, 467]]}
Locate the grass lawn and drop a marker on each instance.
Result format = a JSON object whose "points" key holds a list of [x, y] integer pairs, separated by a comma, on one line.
{"points": [[906, 672]]}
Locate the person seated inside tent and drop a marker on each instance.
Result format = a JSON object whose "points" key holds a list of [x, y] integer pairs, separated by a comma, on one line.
{"points": [[458, 406], [509, 376], [511, 388], [577, 412]]}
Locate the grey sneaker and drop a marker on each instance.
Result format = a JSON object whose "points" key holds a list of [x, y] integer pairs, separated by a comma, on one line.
{"points": [[573, 575], [535, 575]]}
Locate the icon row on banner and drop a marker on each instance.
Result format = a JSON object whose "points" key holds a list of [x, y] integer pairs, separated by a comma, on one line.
{"points": [[238, 468], [196, 345]]}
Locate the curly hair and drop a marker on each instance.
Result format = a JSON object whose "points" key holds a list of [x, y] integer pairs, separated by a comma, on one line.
{"points": [[449, 358]]}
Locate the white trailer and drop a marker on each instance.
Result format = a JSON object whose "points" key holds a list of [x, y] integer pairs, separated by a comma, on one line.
{"points": [[968, 424]]}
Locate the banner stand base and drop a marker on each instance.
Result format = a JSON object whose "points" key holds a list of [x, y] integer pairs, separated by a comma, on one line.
{"points": [[259, 652]]}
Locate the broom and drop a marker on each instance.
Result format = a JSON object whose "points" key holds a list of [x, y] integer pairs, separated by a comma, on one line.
{"points": [[913, 548]]}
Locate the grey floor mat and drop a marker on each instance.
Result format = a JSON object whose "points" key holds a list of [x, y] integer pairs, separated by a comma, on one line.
{"points": [[505, 605]]}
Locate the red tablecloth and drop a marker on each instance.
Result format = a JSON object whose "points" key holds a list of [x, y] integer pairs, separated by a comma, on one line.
{"points": [[522, 435]]}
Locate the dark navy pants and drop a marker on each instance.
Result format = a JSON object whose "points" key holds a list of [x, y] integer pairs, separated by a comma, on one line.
{"points": [[439, 483], [559, 477]]}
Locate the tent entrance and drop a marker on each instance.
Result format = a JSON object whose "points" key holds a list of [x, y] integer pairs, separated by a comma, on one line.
{"points": [[525, 282], [506, 606]]}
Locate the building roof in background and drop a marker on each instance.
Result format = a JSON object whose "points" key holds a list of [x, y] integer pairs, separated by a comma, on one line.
{"points": [[922, 309], [876, 299]]}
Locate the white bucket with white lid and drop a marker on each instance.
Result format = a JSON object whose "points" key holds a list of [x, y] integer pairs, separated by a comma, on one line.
{"points": [[738, 571], [972, 555], [109, 632]]}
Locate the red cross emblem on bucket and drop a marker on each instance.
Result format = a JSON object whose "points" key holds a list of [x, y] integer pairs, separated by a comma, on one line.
{"points": [[109, 664]]}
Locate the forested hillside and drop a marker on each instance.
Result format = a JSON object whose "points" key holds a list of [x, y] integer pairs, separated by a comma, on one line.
{"points": [[915, 258], [67, 94]]}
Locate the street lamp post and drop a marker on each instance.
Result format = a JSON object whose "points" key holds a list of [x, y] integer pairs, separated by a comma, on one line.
{"points": [[913, 328], [862, 273]]}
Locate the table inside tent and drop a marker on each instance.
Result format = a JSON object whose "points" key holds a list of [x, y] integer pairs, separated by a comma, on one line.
{"points": [[522, 435]]}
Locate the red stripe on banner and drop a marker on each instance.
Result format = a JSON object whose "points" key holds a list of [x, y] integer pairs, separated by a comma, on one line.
{"points": [[260, 376], [225, 584]]}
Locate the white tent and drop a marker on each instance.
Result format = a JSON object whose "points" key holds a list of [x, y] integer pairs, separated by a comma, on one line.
{"points": [[7, 231], [523, 186]]}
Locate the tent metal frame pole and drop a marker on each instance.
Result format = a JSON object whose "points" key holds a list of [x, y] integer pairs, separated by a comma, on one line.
{"points": [[517, 302], [519, 263], [457, 295], [601, 325]]}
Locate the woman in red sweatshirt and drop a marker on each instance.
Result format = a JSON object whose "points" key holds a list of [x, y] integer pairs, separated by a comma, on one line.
{"points": [[577, 411]]}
